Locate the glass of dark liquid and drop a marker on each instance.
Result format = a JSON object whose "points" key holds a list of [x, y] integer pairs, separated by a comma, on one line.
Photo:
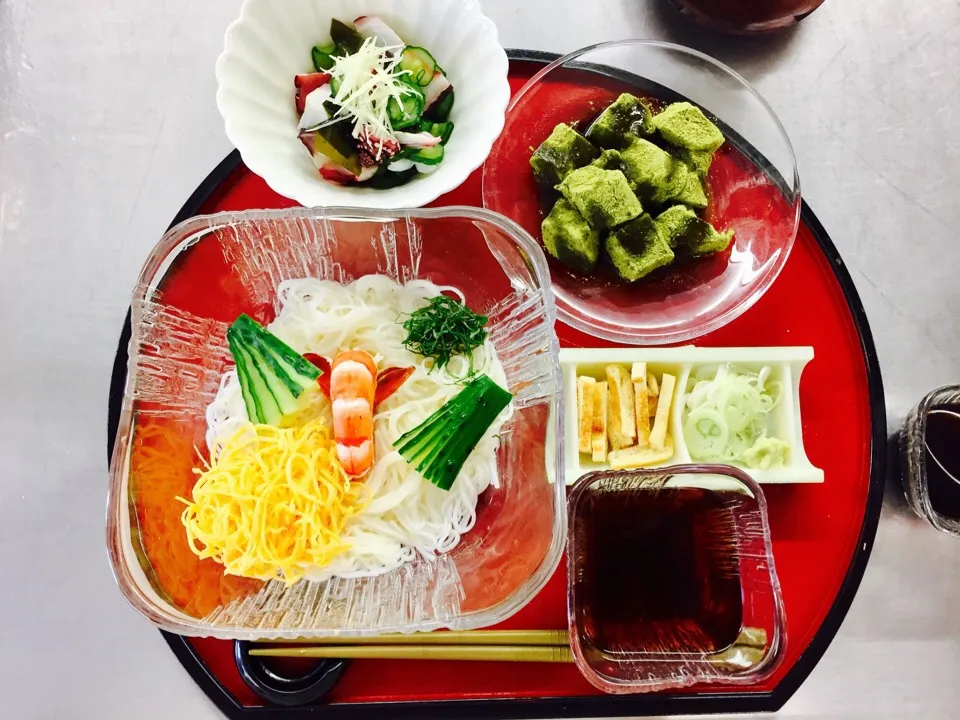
{"points": [[747, 16], [672, 580], [930, 458]]}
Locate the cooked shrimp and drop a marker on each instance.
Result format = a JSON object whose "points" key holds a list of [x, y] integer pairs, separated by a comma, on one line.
{"points": [[354, 387], [353, 383]]}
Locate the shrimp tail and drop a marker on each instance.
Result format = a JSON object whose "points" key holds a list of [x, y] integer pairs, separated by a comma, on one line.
{"points": [[389, 381], [324, 366]]}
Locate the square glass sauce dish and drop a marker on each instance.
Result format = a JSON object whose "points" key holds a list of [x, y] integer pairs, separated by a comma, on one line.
{"points": [[672, 581], [491, 541]]}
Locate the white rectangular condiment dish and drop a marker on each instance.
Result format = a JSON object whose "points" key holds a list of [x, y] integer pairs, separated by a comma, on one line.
{"points": [[786, 365]]}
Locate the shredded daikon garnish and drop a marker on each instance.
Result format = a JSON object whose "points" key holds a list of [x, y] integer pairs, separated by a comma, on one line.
{"points": [[367, 80]]}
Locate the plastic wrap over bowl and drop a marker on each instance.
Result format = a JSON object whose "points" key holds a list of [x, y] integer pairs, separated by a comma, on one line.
{"points": [[696, 597]]}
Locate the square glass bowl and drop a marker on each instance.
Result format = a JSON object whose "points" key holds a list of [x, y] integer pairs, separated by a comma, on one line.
{"points": [[672, 581], [197, 280]]}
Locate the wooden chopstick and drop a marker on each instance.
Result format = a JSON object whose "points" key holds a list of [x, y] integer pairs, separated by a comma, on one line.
{"points": [[452, 637], [490, 653]]}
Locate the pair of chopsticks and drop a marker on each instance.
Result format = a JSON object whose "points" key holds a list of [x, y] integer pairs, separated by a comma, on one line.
{"points": [[543, 646]]}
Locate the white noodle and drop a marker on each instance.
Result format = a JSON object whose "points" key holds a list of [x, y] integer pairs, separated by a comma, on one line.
{"points": [[405, 514]]}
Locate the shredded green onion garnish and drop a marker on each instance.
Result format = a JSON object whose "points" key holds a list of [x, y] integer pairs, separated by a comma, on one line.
{"points": [[727, 419], [443, 329]]}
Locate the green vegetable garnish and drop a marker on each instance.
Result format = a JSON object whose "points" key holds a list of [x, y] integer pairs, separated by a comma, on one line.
{"points": [[272, 375], [443, 329], [440, 445]]}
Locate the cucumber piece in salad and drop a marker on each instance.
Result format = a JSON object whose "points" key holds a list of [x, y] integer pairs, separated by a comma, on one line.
{"points": [[426, 156], [323, 56], [407, 111], [442, 130], [419, 64]]}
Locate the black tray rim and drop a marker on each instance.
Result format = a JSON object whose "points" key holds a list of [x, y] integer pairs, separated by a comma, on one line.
{"points": [[582, 706]]}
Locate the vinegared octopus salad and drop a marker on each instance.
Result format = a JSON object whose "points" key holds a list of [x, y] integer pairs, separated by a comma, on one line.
{"points": [[376, 110]]}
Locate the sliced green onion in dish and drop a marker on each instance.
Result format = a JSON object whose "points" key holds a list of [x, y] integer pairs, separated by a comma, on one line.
{"points": [[727, 419]]}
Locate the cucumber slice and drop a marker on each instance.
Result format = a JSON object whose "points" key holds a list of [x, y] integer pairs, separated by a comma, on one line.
{"points": [[322, 60], [300, 370], [345, 36], [428, 155], [440, 445], [243, 375], [419, 64], [442, 130], [272, 366], [441, 109], [272, 375], [407, 111], [268, 409], [277, 384]]}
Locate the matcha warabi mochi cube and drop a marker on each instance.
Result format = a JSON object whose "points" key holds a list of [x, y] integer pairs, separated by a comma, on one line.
{"points": [[685, 126], [625, 116], [674, 185], [683, 230], [674, 222], [569, 238], [710, 240], [609, 160], [560, 154], [699, 161], [603, 197], [692, 193], [637, 248], [647, 167]]}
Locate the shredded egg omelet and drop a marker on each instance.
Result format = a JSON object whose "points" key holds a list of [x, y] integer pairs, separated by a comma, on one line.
{"points": [[273, 503]]}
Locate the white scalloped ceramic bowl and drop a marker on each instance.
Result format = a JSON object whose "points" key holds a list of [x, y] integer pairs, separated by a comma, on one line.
{"points": [[271, 42]]}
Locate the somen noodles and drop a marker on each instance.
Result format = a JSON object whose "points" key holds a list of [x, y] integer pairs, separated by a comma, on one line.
{"points": [[401, 515]]}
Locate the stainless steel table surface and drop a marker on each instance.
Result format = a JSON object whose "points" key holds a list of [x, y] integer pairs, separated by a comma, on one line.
{"points": [[108, 122]]}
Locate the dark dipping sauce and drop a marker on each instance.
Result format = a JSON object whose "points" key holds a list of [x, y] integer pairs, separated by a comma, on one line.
{"points": [[662, 572], [942, 438]]}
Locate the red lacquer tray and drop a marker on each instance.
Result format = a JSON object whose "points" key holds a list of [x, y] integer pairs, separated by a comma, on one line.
{"points": [[822, 534]]}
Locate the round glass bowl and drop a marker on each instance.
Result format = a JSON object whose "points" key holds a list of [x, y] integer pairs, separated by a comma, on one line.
{"points": [[753, 187]]}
